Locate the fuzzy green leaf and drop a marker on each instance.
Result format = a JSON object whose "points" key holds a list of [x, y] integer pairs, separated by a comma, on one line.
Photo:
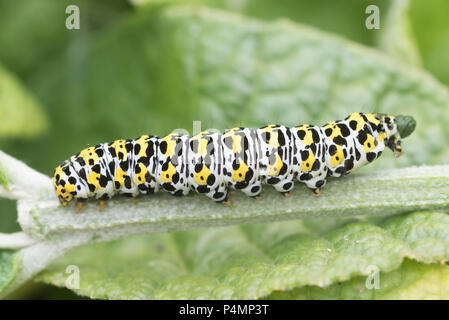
{"points": [[252, 261], [9, 265], [412, 281], [427, 235]]}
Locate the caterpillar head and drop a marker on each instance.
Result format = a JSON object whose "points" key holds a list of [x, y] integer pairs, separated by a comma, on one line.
{"points": [[63, 183], [396, 128]]}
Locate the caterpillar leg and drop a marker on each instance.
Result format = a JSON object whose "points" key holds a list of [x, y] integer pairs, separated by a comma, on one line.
{"points": [[79, 206], [258, 197], [133, 200], [102, 203], [286, 194], [315, 185], [227, 202]]}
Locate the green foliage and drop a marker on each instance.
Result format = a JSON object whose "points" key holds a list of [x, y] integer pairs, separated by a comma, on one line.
{"points": [[9, 266], [412, 281], [20, 113], [228, 70], [253, 261], [158, 66], [27, 46], [428, 240], [429, 24], [346, 17], [396, 37]]}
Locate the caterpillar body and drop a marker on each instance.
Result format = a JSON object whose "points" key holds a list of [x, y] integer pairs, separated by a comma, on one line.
{"points": [[240, 158]]}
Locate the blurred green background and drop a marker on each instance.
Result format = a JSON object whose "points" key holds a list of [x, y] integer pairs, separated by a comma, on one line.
{"points": [[61, 90]]}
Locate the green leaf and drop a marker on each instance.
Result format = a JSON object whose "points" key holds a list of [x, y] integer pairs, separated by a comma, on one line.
{"points": [[20, 114], [9, 266], [343, 17], [428, 238], [254, 261], [396, 37], [412, 281], [29, 46]]}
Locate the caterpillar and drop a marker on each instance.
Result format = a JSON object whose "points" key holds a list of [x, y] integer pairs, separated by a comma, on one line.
{"points": [[240, 158]]}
